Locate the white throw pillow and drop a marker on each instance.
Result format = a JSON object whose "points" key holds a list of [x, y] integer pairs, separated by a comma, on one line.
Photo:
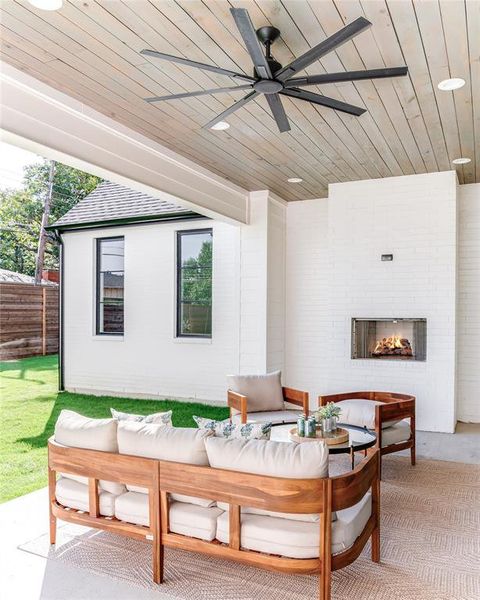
{"points": [[77, 431], [226, 429], [275, 459], [361, 413], [264, 392], [161, 418], [176, 444]]}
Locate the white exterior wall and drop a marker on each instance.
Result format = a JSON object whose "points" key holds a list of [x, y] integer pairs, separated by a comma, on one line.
{"points": [[148, 359], [334, 273], [468, 316]]}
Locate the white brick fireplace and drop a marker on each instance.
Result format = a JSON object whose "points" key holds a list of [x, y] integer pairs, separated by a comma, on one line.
{"points": [[335, 273]]}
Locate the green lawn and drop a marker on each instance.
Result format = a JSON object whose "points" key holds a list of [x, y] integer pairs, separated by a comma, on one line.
{"points": [[29, 407]]}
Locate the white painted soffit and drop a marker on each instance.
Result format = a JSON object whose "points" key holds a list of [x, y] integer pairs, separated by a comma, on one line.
{"points": [[39, 118]]}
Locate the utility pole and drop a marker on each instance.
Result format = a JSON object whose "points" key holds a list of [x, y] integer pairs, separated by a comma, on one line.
{"points": [[43, 234]]}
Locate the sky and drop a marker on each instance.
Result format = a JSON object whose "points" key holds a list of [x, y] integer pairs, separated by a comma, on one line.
{"points": [[12, 161]]}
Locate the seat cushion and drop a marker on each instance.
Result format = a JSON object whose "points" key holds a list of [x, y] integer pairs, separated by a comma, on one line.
{"points": [[177, 444], [160, 418], [186, 519], [264, 392], [275, 417], [360, 413], [107, 486], [297, 539], [75, 495], [400, 432], [226, 429]]}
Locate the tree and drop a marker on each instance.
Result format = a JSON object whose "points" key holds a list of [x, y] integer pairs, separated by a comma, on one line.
{"points": [[21, 213]]}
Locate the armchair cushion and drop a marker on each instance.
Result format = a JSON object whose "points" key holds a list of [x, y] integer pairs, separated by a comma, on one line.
{"points": [[226, 429], [296, 539], [360, 413], [264, 392], [274, 417], [399, 432]]}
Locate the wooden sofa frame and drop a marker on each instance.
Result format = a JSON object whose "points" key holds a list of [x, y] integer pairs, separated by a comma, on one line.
{"points": [[237, 489], [239, 402], [395, 407]]}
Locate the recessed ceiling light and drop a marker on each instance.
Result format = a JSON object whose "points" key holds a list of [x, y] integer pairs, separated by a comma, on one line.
{"points": [[294, 180], [220, 126], [47, 4], [461, 161], [448, 85]]}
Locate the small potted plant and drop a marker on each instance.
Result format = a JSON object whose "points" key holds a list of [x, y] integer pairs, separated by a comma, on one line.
{"points": [[327, 416]]}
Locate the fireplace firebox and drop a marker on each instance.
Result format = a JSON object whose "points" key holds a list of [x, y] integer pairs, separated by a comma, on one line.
{"points": [[389, 339]]}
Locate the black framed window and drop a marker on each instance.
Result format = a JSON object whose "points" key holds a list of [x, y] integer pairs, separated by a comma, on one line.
{"points": [[194, 283], [110, 286]]}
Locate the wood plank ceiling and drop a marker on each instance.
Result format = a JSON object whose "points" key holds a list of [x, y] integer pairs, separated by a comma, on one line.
{"points": [[91, 50]]}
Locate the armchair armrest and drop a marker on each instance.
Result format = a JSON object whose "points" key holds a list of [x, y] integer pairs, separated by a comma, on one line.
{"points": [[296, 397], [394, 411], [237, 402]]}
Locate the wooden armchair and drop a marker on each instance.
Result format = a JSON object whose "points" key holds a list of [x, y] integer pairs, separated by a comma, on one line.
{"points": [[387, 418], [239, 402]]}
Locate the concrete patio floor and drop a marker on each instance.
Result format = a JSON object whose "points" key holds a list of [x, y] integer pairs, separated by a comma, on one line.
{"points": [[26, 576]]}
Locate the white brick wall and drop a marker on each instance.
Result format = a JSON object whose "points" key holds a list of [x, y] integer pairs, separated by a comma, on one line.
{"points": [[468, 316], [333, 258], [149, 360]]}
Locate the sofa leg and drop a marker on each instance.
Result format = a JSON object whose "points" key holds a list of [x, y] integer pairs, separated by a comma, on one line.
{"points": [[157, 562], [376, 545], [52, 482], [325, 583]]}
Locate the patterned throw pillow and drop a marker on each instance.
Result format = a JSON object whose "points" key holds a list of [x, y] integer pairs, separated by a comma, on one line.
{"points": [[162, 418], [226, 429]]}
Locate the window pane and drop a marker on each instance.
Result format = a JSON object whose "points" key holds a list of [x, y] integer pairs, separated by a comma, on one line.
{"points": [[194, 293], [110, 285]]}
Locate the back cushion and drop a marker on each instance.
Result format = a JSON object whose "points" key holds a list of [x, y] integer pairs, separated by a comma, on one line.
{"points": [[264, 392], [176, 444], [360, 413], [276, 459], [77, 431], [265, 457]]}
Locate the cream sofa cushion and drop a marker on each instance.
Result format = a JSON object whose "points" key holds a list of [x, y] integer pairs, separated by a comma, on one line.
{"points": [[297, 539], [276, 459], [275, 417], [400, 432], [177, 444], [75, 495], [77, 431], [186, 519], [266, 457], [264, 392], [360, 413]]}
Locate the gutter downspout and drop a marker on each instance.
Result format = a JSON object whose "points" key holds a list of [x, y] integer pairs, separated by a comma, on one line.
{"points": [[59, 240]]}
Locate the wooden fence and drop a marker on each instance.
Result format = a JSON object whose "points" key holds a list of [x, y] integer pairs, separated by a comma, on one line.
{"points": [[28, 320]]}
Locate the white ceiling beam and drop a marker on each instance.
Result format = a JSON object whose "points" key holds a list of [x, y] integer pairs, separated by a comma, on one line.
{"points": [[43, 120]]}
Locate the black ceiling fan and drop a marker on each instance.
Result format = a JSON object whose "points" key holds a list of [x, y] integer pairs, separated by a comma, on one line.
{"points": [[273, 80]]}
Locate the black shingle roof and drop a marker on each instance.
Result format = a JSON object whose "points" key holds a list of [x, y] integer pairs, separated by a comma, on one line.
{"points": [[112, 202]]}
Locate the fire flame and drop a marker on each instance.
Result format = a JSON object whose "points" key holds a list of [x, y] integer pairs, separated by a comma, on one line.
{"points": [[389, 343]]}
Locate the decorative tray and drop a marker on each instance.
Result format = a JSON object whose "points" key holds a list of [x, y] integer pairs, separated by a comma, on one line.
{"points": [[340, 436]]}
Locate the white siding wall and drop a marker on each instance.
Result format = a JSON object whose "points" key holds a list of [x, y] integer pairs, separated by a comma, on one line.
{"points": [[148, 360], [335, 273], [468, 317]]}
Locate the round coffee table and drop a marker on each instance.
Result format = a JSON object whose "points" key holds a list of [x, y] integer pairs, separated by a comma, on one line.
{"points": [[359, 438]]}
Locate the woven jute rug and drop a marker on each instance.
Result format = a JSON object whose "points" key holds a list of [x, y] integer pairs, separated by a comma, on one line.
{"points": [[430, 549]]}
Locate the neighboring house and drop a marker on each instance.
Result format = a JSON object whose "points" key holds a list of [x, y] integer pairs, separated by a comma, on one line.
{"points": [[138, 289]]}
